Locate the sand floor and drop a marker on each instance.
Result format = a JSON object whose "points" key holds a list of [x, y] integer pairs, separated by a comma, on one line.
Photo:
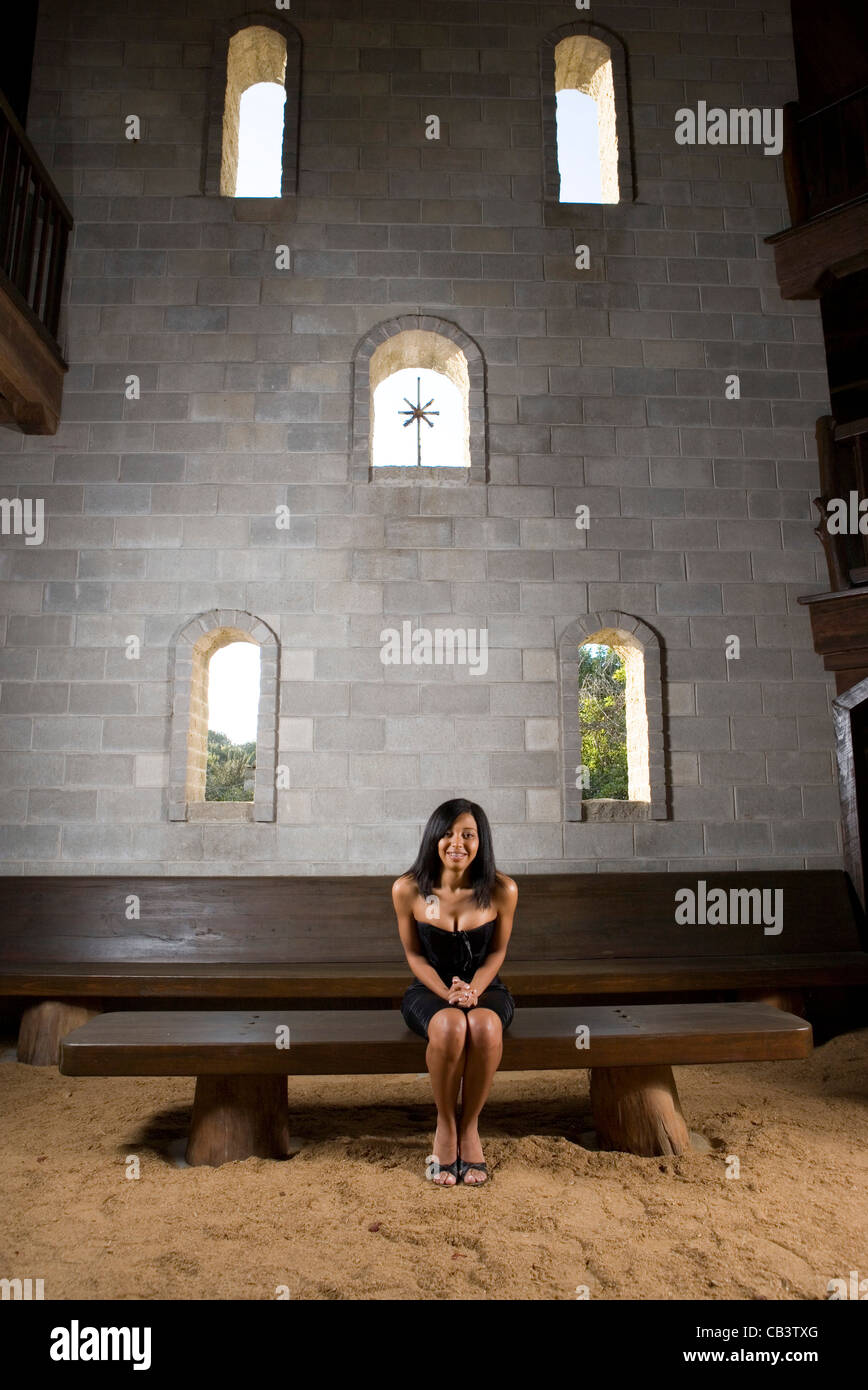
{"points": [[351, 1217]]}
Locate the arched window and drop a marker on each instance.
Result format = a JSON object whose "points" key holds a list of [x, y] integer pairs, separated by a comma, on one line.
{"points": [[418, 402], [585, 120], [212, 687], [612, 720], [253, 124]]}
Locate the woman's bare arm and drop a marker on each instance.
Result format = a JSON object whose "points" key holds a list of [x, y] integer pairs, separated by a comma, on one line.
{"points": [[404, 893], [505, 900]]}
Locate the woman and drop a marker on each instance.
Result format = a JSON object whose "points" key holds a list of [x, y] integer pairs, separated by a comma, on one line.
{"points": [[455, 915]]}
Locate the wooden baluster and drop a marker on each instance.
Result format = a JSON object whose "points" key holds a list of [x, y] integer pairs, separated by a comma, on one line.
{"points": [[42, 261], [10, 194], [58, 257], [21, 188], [33, 196], [793, 176], [5, 173]]}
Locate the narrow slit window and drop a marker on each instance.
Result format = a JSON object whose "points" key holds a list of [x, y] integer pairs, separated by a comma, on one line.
{"points": [[260, 141], [253, 114], [587, 136], [603, 721], [223, 751], [612, 742], [579, 148], [233, 707]]}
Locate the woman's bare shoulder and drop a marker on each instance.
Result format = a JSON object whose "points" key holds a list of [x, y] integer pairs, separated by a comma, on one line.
{"points": [[505, 890], [404, 891]]}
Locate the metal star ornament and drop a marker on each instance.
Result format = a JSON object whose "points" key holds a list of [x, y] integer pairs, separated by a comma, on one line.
{"points": [[418, 413]]}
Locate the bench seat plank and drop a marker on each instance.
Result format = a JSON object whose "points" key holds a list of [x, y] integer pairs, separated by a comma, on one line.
{"points": [[325, 1042], [366, 980]]}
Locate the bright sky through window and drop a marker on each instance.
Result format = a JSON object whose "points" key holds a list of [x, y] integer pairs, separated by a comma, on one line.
{"points": [[260, 141], [233, 691], [579, 148], [395, 441]]}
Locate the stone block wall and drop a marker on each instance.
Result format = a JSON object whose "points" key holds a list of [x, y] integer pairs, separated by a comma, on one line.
{"points": [[605, 387]]}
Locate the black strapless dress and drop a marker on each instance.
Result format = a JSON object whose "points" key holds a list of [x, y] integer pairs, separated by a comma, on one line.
{"points": [[451, 953]]}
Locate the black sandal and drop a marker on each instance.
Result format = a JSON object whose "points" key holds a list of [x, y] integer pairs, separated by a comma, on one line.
{"points": [[447, 1168], [465, 1167]]}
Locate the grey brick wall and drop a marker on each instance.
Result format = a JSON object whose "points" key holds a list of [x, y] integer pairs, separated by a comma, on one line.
{"points": [[605, 387]]}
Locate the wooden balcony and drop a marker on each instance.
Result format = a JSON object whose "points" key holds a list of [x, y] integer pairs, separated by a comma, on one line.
{"points": [[826, 173], [34, 232]]}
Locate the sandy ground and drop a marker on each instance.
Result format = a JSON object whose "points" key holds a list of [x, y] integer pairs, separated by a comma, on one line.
{"points": [[351, 1217]]}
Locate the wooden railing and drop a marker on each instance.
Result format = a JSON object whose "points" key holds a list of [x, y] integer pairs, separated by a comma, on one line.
{"points": [[826, 156], [35, 224]]}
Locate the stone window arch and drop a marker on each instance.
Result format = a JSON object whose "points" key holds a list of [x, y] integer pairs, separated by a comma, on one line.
{"points": [[249, 49], [419, 340], [194, 646], [639, 648], [589, 58]]}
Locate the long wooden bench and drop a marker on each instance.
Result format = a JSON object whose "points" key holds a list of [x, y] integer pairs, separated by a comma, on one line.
{"points": [[69, 944], [241, 1061]]}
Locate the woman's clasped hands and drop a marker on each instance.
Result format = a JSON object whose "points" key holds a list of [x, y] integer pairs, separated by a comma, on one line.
{"points": [[462, 994]]}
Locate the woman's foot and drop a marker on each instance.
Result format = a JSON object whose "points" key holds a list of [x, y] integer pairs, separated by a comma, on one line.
{"points": [[471, 1152], [445, 1151]]}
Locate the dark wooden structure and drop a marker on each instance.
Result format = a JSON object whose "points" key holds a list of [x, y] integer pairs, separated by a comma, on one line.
{"points": [[839, 625], [35, 225], [850, 712], [240, 1108], [69, 944], [843, 454], [826, 174]]}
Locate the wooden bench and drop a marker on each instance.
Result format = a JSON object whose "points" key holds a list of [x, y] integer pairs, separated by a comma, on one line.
{"points": [[70, 944], [240, 1108]]}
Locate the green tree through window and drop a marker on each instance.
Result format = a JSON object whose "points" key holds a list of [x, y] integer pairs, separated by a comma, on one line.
{"points": [[603, 722], [231, 768]]}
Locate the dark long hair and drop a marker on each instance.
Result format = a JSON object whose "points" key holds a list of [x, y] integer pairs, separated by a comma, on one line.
{"points": [[427, 868]]}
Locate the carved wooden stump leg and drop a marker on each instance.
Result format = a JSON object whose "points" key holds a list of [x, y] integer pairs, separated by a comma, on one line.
{"points": [[636, 1109], [45, 1025], [237, 1117]]}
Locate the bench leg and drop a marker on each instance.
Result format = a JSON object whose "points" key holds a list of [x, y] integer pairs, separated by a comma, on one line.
{"points": [[44, 1026], [792, 1001], [636, 1109], [237, 1117]]}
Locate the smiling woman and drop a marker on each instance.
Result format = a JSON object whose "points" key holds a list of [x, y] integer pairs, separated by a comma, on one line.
{"points": [[455, 915]]}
